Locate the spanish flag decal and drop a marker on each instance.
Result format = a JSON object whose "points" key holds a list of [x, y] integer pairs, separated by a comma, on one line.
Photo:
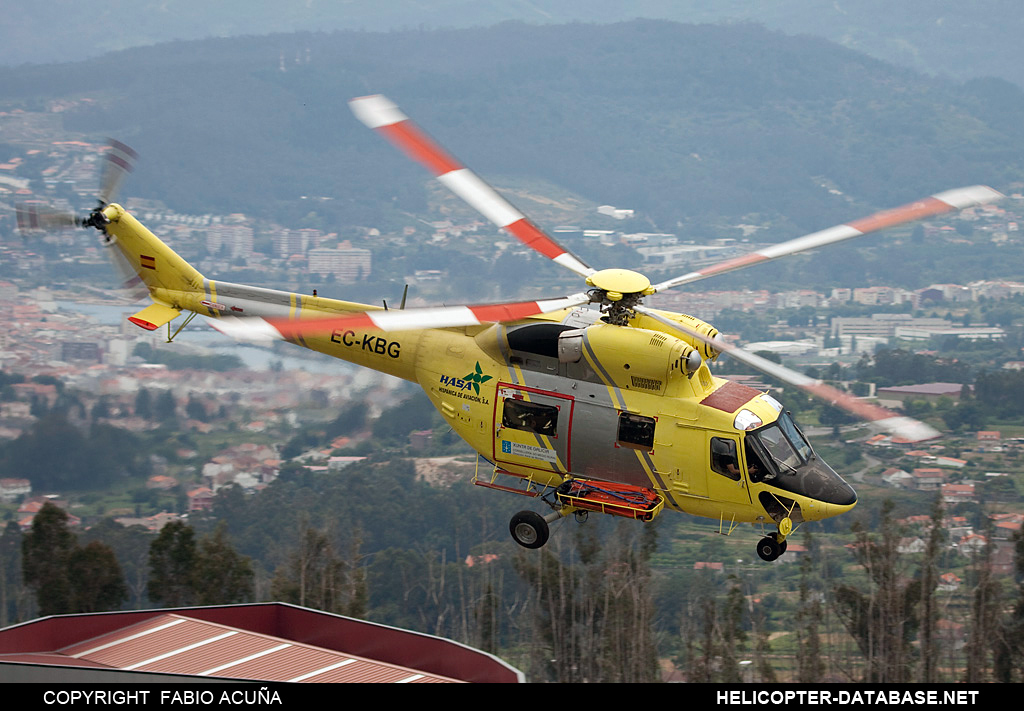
{"points": [[147, 261]]}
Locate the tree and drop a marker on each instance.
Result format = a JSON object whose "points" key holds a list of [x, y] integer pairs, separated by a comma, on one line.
{"points": [[883, 620], [98, 582], [222, 575], [810, 666], [68, 578], [46, 552], [11, 586], [131, 546], [143, 404], [983, 634], [929, 582], [172, 559], [592, 608], [195, 410], [315, 576], [1009, 650], [165, 407]]}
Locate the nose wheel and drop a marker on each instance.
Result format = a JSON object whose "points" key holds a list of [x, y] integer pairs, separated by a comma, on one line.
{"points": [[774, 544]]}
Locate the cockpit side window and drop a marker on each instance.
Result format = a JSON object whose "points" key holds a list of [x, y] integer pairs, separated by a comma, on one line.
{"points": [[756, 468], [723, 458]]}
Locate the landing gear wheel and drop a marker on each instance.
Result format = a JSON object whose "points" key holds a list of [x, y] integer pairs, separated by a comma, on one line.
{"points": [[529, 529], [768, 548]]}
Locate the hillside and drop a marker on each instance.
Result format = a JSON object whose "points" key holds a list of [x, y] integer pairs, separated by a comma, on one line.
{"points": [[697, 126], [942, 37]]}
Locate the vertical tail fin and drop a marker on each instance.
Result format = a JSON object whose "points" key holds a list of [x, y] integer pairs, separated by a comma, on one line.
{"points": [[170, 281]]}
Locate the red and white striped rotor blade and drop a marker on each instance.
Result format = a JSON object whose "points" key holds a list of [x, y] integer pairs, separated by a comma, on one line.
{"points": [[897, 425], [269, 329], [937, 204], [381, 114]]}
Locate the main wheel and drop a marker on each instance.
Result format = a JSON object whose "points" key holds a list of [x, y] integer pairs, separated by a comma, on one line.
{"points": [[782, 546], [529, 529], [768, 549]]}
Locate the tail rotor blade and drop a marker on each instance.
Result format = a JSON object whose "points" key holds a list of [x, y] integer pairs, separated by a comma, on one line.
{"points": [[130, 288], [119, 161], [43, 218]]}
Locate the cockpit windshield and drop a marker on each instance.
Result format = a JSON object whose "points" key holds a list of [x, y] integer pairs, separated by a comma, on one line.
{"points": [[779, 455], [795, 436], [785, 443]]}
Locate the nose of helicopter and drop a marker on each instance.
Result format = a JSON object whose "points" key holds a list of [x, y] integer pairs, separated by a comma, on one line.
{"points": [[837, 509]]}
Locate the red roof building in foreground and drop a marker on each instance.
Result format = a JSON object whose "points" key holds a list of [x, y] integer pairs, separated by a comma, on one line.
{"points": [[266, 642]]}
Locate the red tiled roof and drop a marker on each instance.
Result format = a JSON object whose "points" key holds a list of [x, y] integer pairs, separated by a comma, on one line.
{"points": [[267, 642]]}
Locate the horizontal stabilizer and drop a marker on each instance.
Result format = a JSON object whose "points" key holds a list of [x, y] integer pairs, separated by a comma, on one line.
{"points": [[154, 316]]}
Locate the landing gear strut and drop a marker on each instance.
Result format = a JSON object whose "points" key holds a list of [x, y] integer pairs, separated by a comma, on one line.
{"points": [[774, 544], [530, 529]]}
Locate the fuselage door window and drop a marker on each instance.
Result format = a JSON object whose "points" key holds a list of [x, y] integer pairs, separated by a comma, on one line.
{"points": [[636, 431], [530, 417]]}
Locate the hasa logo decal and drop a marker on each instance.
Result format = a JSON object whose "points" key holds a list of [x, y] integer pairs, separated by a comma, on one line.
{"points": [[477, 378], [468, 382]]}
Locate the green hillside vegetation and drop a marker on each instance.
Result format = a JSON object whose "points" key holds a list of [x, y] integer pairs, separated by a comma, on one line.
{"points": [[690, 125], [942, 37]]}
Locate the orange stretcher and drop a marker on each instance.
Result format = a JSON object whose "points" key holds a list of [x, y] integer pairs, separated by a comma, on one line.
{"points": [[606, 497]]}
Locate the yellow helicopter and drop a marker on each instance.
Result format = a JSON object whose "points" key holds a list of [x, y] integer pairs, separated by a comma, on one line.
{"points": [[591, 402]]}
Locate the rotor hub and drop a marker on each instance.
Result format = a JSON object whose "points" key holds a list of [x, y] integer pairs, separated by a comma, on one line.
{"points": [[618, 283], [619, 291]]}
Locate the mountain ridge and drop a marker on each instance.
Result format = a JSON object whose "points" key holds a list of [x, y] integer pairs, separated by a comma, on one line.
{"points": [[690, 125]]}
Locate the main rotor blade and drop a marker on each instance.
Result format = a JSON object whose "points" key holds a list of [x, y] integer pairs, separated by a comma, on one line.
{"points": [[937, 204], [269, 329], [119, 161], [383, 115], [898, 425]]}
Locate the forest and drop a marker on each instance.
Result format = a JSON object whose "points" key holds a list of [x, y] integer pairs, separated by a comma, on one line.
{"points": [[600, 599], [610, 600]]}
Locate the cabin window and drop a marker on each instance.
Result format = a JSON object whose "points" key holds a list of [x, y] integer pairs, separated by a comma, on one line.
{"points": [[530, 417], [723, 458], [636, 431]]}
